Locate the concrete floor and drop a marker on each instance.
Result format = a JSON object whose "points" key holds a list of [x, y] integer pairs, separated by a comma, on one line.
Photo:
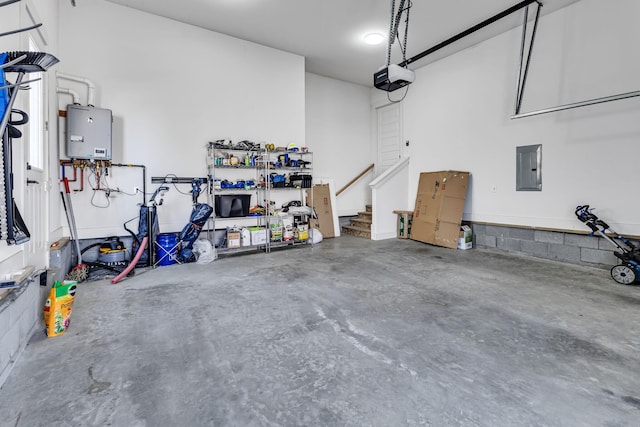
{"points": [[347, 333]]}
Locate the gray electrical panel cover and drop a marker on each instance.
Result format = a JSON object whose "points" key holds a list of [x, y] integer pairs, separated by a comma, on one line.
{"points": [[529, 168], [88, 132]]}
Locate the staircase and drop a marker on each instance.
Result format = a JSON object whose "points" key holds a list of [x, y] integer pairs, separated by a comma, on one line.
{"points": [[361, 225]]}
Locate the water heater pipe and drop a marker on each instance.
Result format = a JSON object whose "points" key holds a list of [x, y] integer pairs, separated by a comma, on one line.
{"points": [[73, 93], [89, 83]]}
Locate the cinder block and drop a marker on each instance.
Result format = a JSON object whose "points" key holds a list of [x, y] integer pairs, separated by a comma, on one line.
{"points": [[60, 258], [9, 345], [483, 240], [14, 309], [496, 230], [510, 245], [21, 302], [532, 247], [583, 241], [479, 228], [5, 322], [522, 233], [549, 237], [5, 355], [31, 314], [54, 275], [607, 245], [604, 244], [564, 252], [597, 256]]}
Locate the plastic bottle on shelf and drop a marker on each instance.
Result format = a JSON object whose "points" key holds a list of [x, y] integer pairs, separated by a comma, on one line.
{"points": [[245, 237]]}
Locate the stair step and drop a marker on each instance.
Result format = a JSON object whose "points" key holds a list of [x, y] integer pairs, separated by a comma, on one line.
{"points": [[369, 208], [356, 231], [365, 215], [361, 223]]}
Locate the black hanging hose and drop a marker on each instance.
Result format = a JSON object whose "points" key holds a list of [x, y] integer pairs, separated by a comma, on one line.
{"points": [[8, 2]]}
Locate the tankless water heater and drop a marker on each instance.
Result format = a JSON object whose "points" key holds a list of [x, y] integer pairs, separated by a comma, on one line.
{"points": [[88, 132]]}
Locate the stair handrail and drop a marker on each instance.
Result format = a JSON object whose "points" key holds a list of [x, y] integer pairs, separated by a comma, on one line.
{"points": [[360, 175], [393, 170]]}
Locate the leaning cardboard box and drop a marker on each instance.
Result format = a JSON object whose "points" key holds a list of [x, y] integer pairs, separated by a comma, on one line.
{"points": [[321, 202], [439, 204], [57, 308]]}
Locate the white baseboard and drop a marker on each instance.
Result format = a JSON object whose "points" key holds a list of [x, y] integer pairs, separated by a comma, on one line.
{"points": [[383, 236]]}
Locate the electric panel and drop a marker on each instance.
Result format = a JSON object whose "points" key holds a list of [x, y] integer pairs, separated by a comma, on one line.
{"points": [[529, 168], [88, 132]]}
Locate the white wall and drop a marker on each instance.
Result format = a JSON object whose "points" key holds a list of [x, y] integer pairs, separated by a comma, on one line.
{"points": [[457, 117], [172, 88], [338, 120]]}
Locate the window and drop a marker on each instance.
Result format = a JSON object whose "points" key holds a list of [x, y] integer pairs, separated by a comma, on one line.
{"points": [[35, 126]]}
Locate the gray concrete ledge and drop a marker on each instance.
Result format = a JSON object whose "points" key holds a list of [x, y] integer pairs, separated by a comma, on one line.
{"points": [[581, 249]]}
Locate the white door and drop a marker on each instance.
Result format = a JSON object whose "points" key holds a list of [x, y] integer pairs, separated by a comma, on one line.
{"points": [[35, 213], [35, 218], [389, 121]]}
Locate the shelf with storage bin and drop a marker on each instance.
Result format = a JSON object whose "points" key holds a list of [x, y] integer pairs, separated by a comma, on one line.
{"points": [[296, 166], [234, 187], [240, 240], [278, 178], [294, 173]]}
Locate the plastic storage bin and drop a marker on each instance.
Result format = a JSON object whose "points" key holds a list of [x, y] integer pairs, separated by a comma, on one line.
{"points": [[232, 205]]}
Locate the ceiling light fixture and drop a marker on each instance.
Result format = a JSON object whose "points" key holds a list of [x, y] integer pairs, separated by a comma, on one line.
{"points": [[373, 38]]}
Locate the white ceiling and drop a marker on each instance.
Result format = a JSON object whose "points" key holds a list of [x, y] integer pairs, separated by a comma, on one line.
{"points": [[328, 33]]}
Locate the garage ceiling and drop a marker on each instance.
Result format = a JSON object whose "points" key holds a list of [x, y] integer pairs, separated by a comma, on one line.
{"points": [[329, 33]]}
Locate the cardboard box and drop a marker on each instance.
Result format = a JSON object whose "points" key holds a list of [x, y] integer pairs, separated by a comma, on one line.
{"points": [[323, 209], [405, 219], [233, 239], [258, 235], [465, 238], [439, 204]]}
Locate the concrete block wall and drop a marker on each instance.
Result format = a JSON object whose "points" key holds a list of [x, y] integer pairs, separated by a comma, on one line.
{"points": [[60, 260], [20, 314], [21, 309], [582, 249]]}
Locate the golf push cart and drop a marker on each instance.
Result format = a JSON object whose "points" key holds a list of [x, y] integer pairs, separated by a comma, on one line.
{"points": [[628, 271]]}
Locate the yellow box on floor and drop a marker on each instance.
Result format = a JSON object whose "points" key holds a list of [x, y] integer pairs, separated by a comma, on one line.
{"points": [[57, 308]]}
